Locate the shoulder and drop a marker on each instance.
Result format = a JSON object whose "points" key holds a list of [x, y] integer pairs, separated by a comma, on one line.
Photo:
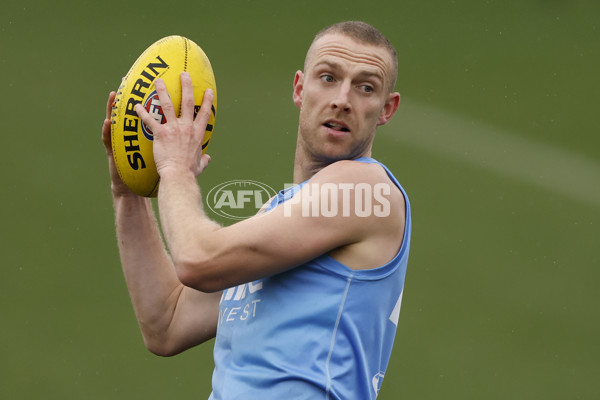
{"points": [[352, 171], [369, 210], [365, 176], [364, 189]]}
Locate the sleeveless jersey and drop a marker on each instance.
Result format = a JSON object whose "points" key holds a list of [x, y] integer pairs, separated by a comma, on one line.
{"points": [[317, 331]]}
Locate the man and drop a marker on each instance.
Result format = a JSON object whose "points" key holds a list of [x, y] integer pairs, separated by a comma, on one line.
{"points": [[303, 298]]}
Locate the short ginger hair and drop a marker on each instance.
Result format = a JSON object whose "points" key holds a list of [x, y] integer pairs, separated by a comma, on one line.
{"points": [[364, 33]]}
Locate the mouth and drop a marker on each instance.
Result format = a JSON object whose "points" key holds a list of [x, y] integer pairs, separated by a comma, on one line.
{"points": [[337, 126]]}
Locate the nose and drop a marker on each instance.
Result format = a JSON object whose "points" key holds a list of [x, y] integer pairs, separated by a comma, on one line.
{"points": [[341, 100]]}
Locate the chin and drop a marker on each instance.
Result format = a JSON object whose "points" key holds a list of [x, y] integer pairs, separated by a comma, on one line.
{"points": [[334, 155], [327, 152]]}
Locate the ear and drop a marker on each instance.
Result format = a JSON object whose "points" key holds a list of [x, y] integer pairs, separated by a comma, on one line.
{"points": [[389, 109], [298, 88]]}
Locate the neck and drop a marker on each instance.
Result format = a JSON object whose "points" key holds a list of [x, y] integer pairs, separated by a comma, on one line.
{"points": [[306, 164], [305, 167]]}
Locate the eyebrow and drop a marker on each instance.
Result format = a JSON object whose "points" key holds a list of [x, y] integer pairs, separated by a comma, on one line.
{"points": [[364, 74]]}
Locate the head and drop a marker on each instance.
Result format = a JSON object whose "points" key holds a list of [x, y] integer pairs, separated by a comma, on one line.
{"points": [[345, 91], [362, 33]]}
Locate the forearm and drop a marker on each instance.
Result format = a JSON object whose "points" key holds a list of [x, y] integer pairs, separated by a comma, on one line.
{"points": [[172, 317], [153, 285], [186, 226]]}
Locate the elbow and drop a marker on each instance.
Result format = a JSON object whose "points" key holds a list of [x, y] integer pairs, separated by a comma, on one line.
{"points": [[160, 348], [160, 351], [198, 274]]}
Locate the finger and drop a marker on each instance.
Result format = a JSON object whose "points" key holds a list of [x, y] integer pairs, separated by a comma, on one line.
{"points": [[204, 160], [165, 100], [110, 104], [187, 97], [106, 138], [205, 110], [146, 118]]}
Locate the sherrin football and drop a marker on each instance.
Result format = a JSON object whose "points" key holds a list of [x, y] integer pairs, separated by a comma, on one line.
{"points": [[131, 138]]}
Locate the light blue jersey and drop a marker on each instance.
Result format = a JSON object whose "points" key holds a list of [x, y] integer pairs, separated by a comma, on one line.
{"points": [[318, 331]]}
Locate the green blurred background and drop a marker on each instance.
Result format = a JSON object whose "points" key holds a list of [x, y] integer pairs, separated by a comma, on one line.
{"points": [[496, 142]]}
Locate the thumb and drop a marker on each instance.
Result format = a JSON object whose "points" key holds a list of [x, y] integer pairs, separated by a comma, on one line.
{"points": [[204, 160]]}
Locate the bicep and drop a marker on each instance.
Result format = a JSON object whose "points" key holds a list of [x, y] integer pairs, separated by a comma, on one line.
{"points": [[275, 241], [194, 320], [304, 227]]}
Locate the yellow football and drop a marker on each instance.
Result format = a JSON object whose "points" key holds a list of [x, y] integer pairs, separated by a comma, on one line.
{"points": [[131, 138]]}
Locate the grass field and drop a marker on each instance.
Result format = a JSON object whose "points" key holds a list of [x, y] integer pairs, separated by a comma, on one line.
{"points": [[495, 141]]}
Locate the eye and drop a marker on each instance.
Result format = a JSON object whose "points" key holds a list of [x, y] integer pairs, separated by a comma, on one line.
{"points": [[327, 78], [366, 88]]}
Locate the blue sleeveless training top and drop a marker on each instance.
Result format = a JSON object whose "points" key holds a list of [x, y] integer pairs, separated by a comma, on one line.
{"points": [[318, 331]]}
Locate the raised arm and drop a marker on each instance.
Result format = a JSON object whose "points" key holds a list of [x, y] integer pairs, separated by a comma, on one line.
{"points": [[171, 317], [211, 258]]}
